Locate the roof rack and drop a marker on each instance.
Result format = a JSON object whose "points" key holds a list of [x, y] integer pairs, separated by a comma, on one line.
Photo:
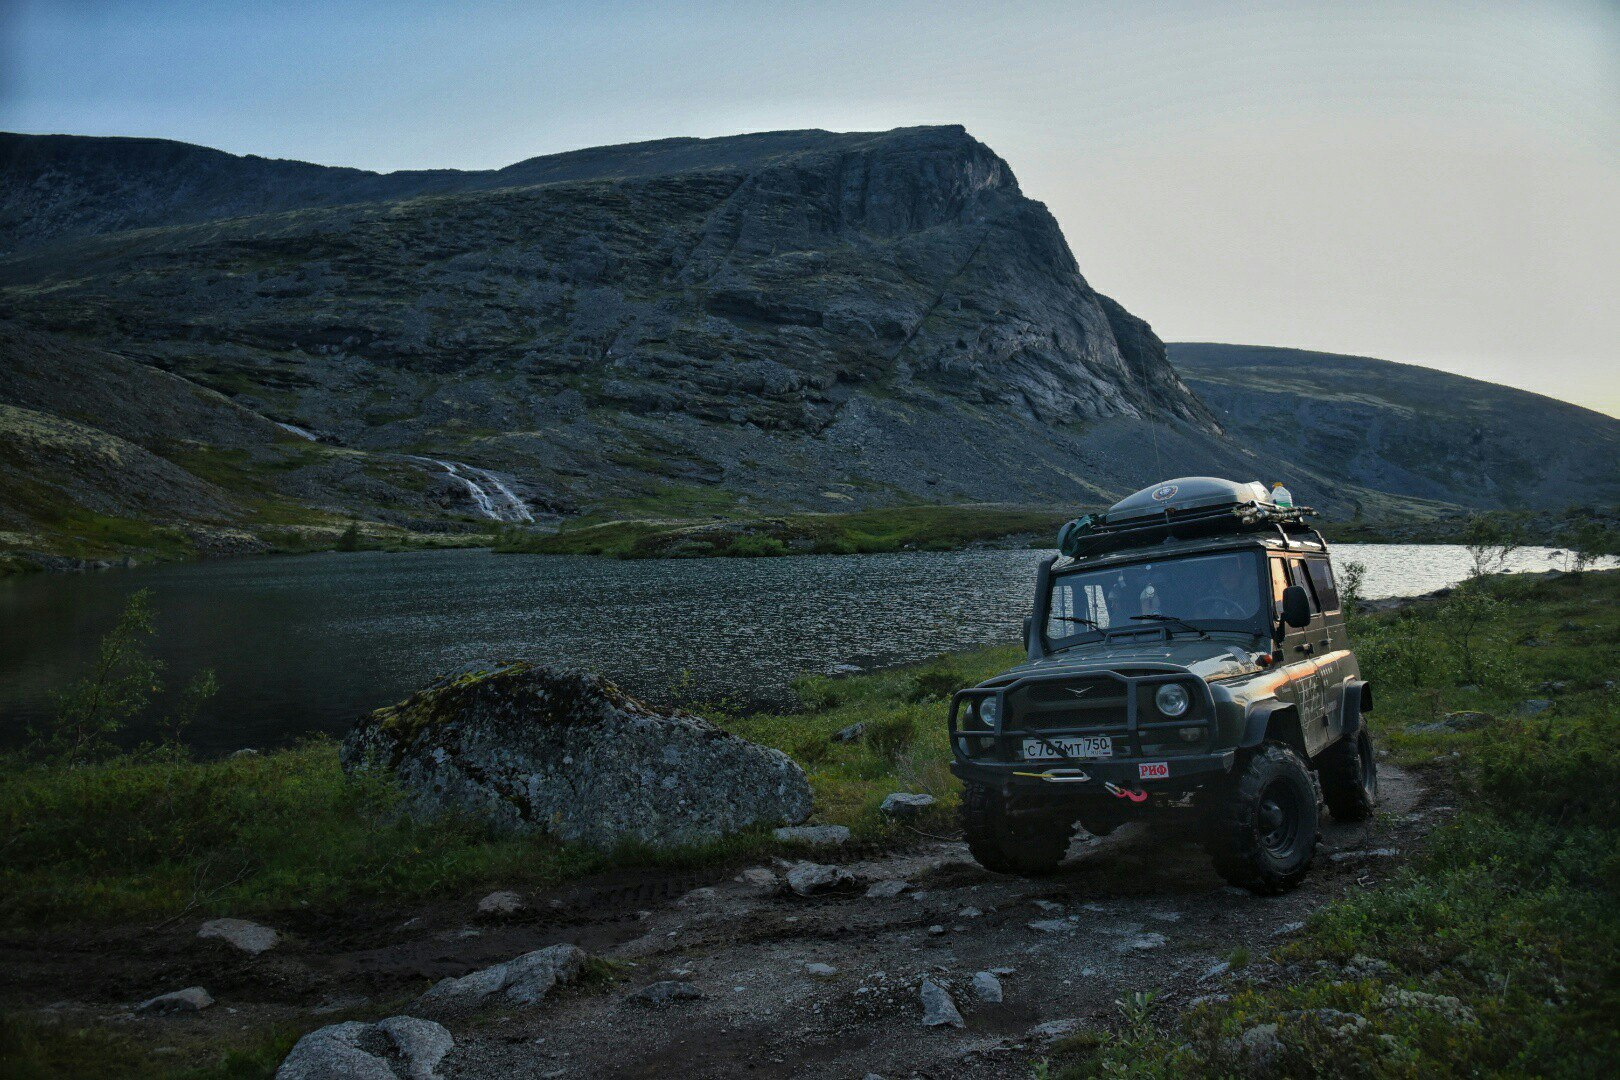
{"points": [[1097, 535]]}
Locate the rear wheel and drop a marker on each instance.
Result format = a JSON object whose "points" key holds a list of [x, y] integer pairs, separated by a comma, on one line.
{"points": [[1264, 825], [1349, 774], [1032, 842]]}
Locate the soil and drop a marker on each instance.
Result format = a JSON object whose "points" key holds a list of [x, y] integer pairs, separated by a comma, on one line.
{"points": [[1138, 910]]}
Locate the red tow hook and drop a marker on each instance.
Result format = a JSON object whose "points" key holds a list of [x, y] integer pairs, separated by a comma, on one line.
{"points": [[1125, 793]]}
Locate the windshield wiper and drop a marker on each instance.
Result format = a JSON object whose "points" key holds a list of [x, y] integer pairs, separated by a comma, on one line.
{"points": [[1183, 623], [1077, 619]]}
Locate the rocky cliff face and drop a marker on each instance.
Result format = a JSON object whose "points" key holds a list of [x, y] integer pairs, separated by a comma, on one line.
{"points": [[794, 319]]}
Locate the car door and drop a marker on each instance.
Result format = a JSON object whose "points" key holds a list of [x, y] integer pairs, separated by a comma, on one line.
{"points": [[1333, 660], [1301, 646], [1291, 661]]}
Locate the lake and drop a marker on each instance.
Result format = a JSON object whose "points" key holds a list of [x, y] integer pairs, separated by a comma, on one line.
{"points": [[307, 643]]}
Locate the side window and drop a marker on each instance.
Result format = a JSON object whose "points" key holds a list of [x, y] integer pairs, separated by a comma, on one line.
{"points": [[1302, 578], [1322, 578], [1279, 582]]}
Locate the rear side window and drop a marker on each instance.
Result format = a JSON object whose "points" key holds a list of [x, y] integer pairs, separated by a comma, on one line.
{"points": [[1302, 578], [1326, 589]]}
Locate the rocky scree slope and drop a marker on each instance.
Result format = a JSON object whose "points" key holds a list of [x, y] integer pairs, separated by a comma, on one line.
{"points": [[1407, 430], [788, 320]]}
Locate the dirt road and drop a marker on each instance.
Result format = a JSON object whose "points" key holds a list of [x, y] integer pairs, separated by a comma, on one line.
{"points": [[1138, 910]]}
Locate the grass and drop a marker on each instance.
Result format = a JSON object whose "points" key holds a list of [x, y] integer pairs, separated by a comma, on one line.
{"points": [[904, 528], [146, 838], [30, 1050], [1496, 952]]}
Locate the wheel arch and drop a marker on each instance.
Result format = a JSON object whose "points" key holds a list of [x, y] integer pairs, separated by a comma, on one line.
{"points": [[1356, 703], [1275, 721]]}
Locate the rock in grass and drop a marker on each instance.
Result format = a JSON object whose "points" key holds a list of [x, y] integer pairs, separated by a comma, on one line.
{"points": [[1534, 706], [888, 889], [987, 988], [808, 878], [905, 804], [249, 937], [399, 1048], [1053, 1030], [1140, 943], [521, 981], [938, 1008], [500, 903], [191, 999], [1260, 1045], [820, 835], [667, 992], [533, 749], [853, 733]]}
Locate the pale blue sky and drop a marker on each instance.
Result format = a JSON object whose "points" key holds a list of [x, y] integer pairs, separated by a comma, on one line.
{"points": [[1436, 183]]}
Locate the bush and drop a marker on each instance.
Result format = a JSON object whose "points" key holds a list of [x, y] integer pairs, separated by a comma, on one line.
{"points": [[890, 736]]}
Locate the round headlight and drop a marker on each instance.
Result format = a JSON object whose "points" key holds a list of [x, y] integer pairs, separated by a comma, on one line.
{"points": [[1172, 699], [989, 710]]}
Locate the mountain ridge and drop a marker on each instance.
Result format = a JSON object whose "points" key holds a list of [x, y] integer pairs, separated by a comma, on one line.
{"points": [[799, 320], [1408, 429]]}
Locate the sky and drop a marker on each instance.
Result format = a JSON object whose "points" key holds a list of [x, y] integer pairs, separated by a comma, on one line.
{"points": [[1434, 183]]}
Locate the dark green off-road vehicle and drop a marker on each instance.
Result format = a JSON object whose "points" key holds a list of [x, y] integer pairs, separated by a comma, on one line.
{"points": [[1187, 655]]}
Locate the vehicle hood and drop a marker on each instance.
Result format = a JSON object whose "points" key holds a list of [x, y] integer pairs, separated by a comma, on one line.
{"points": [[1210, 659]]}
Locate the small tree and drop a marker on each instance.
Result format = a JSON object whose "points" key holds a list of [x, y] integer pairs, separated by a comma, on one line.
{"points": [[1351, 578], [1463, 616], [350, 538], [118, 686], [1585, 540], [1491, 539]]}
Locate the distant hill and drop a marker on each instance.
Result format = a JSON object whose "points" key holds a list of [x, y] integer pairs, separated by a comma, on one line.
{"points": [[1404, 429]]}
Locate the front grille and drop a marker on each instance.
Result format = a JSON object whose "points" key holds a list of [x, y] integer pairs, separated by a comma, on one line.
{"points": [[1082, 703]]}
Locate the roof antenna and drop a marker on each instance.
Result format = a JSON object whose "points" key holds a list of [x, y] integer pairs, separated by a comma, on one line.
{"points": [[1153, 429]]}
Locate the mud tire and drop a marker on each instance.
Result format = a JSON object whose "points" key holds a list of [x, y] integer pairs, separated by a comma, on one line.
{"points": [[1349, 773], [1030, 845], [1264, 824]]}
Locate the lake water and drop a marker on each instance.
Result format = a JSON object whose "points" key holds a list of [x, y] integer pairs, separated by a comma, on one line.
{"points": [[307, 643]]}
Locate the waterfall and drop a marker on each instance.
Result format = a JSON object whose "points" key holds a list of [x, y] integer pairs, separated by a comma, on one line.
{"points": [[509, 506], [302, 433]]}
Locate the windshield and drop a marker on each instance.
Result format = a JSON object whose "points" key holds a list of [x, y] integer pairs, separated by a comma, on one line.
{"points": [[1224, 591]]}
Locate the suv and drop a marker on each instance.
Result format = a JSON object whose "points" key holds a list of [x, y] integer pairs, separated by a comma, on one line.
{"points": [[1187, 650]]}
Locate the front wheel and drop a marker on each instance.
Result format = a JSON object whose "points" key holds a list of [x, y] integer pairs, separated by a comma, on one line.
{"points": [[1030, 843], [1349, 774], [1265, 824]]}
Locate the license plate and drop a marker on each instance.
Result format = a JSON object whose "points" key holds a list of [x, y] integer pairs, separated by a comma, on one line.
{"points": [[1068, 746]]}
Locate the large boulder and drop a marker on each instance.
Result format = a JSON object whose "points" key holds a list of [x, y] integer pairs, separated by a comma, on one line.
{"points": [[533, 749], [398, 1048]]}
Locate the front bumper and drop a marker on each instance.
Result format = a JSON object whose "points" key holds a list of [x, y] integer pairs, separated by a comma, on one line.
{"points": [[985, 754], [1087, 778]]}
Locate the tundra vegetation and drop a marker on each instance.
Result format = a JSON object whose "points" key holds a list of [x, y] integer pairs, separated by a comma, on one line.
{"points": [[1495, 950]]}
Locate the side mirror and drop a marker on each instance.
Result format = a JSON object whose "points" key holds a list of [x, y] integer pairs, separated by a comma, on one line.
{"points": [[1296, 607]]}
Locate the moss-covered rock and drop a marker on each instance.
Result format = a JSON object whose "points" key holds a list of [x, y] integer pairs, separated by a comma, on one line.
{"points": [[533, 749]]}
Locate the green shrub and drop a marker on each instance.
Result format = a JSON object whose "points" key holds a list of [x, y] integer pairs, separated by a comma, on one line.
{"points": [[890, 736]]}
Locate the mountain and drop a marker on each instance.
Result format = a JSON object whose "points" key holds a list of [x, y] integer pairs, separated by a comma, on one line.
{"points": [[1406, 430], [789, 320]]}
